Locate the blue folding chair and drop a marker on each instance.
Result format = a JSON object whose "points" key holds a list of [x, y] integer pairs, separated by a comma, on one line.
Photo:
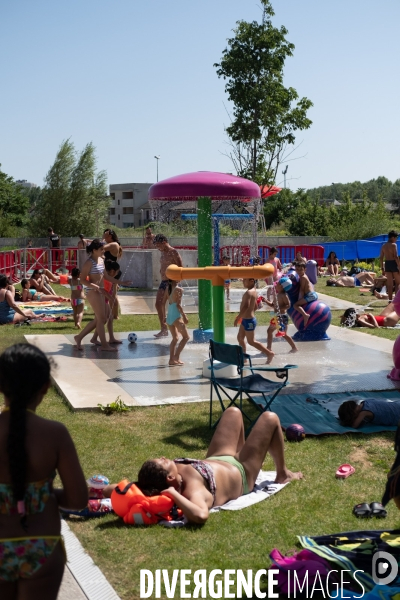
{"points": [[244, 387]]}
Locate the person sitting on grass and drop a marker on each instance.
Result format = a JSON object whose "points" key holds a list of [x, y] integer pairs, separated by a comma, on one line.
{"points": [[306, 293], [31, 295], [229, 470], [369, 412], [332, 264], [40, 282], [247, 321], [10, 313]]}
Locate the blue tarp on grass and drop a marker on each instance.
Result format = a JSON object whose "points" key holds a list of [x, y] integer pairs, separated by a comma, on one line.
{"points": [[316, 419]]}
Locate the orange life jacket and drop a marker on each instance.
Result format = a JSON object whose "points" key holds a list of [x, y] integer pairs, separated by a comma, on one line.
{"points": [[129, 502]]}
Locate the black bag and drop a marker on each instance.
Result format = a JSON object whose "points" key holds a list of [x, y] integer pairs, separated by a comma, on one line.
{"points": [[18, 296]]}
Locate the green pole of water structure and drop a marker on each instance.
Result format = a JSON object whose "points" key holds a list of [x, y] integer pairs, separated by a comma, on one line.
{"points": [[218, 313], [204, 245]]}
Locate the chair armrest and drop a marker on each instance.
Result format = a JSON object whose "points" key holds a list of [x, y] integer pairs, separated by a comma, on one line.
{"points": [[257, 368]]}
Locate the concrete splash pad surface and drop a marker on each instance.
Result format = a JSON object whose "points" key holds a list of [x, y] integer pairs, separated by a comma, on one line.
{"points": [[143, 303], [140, 375]]}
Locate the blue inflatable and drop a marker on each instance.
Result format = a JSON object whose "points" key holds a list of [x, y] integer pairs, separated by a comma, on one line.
{"points": [[320, 315]]}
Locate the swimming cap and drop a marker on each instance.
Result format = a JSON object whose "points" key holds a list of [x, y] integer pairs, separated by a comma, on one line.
{"points": [[286, 283]]}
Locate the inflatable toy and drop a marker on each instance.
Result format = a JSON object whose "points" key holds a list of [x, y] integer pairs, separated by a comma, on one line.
{"points": [[320, 315], [132, 338], [312, 271], [129, 502], [295, 433]]}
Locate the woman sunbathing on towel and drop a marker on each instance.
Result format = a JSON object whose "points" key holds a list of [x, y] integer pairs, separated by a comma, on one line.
{"points": [[229, 470], [366, 279]]}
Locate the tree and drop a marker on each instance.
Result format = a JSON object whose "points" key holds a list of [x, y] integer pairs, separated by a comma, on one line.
{"points": [[14, 206], [266, 114], [74, 198], [278, 208]]}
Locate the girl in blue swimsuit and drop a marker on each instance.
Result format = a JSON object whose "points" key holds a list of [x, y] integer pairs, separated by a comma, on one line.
{"points": [[176, 321]]}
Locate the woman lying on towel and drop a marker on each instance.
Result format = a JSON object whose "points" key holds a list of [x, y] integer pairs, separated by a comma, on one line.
{"points": [[229, 470], [32, 295], [387, 318], [366, 279]]}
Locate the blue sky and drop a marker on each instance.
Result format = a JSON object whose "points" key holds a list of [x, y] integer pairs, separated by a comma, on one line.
{"points": [[137, 79]]}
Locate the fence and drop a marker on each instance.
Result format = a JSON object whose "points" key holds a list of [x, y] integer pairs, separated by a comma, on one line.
{"points": [[18, 263]]}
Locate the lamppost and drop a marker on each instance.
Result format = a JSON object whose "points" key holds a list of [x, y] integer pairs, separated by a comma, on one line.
{"points": [[284, 176], [333, 189], [157, 159]]}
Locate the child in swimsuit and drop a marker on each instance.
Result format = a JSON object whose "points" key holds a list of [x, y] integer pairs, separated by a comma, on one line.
{"points": [[248, 322], [276, 263], [110, 290], [282, 286], [77, 296], [307, 293], [176, 321], [227, 282], [370, 412], [32, 451]]}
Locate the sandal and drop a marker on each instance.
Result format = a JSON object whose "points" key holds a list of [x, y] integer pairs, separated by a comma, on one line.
{"points": [[378, 510], [362, 511], [345, 471]]}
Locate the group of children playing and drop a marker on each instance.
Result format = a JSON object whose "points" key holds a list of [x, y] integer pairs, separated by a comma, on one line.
{"points": [[177, 319], [246, 320]]}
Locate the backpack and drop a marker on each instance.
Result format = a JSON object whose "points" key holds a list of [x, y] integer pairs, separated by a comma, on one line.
{"points": [[18, 296]]}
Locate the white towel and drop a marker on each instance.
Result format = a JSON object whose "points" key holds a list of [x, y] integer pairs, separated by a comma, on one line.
{"points": [[264, 487]]}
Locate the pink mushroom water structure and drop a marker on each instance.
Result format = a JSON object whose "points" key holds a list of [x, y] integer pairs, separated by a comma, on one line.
{"points": [[207, 188]]}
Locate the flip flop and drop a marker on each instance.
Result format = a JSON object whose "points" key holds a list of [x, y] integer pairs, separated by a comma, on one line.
{"points": [[378, 510], [362, 511], [344, 471]]}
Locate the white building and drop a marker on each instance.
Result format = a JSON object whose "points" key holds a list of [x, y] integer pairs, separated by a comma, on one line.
{"points": [[129, 206], [25, 183]]}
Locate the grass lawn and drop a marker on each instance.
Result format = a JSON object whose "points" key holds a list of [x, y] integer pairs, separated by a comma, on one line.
{"points": [[117, 445]]}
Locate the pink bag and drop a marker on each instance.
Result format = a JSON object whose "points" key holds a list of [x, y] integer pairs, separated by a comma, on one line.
{"points": [[306, 564]]}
